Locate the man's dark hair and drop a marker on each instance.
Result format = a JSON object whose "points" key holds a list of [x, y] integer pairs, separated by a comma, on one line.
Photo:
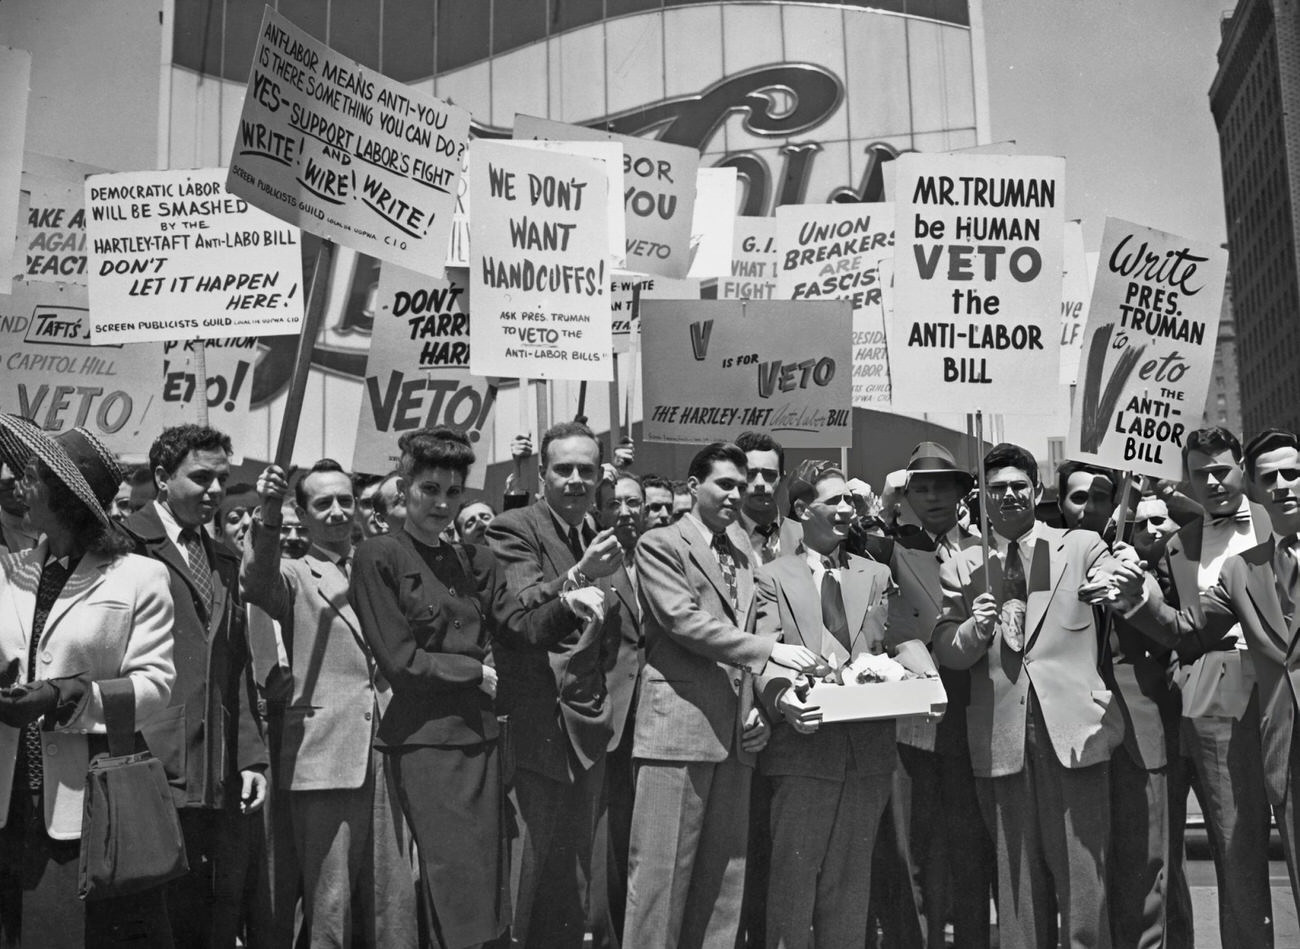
{"points": [[655, 481], [1211, 441], [439, 447], [1007, 455], [173, 444], [142, 474], [1068, 468], [702, 464], [1271, 439], [761, 441], [562, 430], [381, 506], [680, 487], [803, 483], [324, 465], [361, 481]]}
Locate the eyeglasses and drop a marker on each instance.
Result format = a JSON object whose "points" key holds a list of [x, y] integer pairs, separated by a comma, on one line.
{"points": [[1155, 520]]}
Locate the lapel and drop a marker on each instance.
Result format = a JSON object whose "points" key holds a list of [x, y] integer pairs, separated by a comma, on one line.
{"points": [[1045, 572], [219, 596], [744, 573], [1261, 587], [88, 575], [333, 590], [1184, 554], [621, 582], [803, 600], [705, 561], [22, 588], [554, 547]]}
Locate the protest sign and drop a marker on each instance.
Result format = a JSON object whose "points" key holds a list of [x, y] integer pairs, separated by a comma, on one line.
{"points": [[173, 255], [345, 152], [126, 394], [539, 271], [713, 224], [417, 371], [55, 234], [15, 76], [831, 251], [651, 288], [721, 366], [870, 360], [658, 193], [611, 156], [754, 261], [1148, 352], [1076, 288], [977, 283]]}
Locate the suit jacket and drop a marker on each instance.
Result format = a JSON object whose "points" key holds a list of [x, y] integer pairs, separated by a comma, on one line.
{"points": [[1060, 658], [700, 650], [1247, 594], [788, 608], [552, 667], [1138, 675], [1214, 680], [330, 719], [623, 664], [112, 620], [209, 732], [430, 631]]}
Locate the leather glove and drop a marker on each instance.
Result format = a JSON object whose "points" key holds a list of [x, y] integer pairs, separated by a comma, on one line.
{"points": [[20, 705]]}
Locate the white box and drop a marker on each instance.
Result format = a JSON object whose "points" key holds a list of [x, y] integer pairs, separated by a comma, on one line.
{"points": [[873, 700]]}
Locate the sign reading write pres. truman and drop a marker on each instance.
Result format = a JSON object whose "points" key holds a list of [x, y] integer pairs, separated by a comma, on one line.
{"points": [[173, 255], [538, 264], [722, 366], [977, 282], [125, 394], [345, 152], [658, 193], [1148, 351], [417, 372]]}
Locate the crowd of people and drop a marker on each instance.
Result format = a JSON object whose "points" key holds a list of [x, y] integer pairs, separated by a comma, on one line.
{"points": [[390, 716]]}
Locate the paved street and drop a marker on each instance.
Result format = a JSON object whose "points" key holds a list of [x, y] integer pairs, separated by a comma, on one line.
{"points": [[1205, 904]]}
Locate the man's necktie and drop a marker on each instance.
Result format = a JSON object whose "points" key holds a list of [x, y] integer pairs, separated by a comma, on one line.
{"points": [[575, 544], [200, 569], [345, 567], [1013, 575], [727, 562], [1241, 516], [834, 618], [53, 578], [1286, 571]]}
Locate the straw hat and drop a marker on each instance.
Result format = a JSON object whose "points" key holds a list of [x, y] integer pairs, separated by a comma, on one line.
{"points": [[76, 457]]}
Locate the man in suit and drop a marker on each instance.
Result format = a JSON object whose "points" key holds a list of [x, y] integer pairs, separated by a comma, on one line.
{"points": [[208, 739], [1144, 868], [1041, 724], [349, 835], [697, 730], [934, 814], [830, 782], [1253, 599], [620, 506], [550, 651]]}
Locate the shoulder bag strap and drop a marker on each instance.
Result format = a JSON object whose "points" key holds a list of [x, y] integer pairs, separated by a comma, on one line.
{"points": [[118, 696]]}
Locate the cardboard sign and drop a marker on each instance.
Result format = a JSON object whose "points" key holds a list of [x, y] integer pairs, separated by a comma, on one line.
{"points": [[15, 77], [345, 152], [538, 265], [658, 193], [417, 371], [870, 360], [977, 283], [754, 261], [1149, 349], [623, 326], [831, 251], [713, 224], [173, 255], [1076, 288], [611, 156], [55, 232], [721, 367], [126, 394]]}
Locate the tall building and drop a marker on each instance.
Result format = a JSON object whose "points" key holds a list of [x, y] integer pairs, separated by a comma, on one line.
{"points": [[1223, 400], [1255, 99]]}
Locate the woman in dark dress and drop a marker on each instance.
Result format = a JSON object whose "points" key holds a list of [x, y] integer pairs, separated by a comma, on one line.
{"points": [[425, 609]]}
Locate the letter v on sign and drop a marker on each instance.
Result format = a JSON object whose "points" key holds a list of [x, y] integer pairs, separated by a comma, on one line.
{"points": [[700, 333]]}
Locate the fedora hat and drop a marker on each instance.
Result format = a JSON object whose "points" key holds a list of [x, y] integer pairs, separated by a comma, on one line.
{"points": [[76, 457], [932, 458]]}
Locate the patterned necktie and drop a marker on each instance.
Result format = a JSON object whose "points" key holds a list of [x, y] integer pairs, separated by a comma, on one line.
{"points": [[200, 570], [1013, 575], [1285, 569], [53, 579], [834, 617], [722, 546]]}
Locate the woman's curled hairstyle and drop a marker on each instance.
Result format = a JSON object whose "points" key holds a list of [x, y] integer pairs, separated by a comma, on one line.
{"points": [[437, 447]]}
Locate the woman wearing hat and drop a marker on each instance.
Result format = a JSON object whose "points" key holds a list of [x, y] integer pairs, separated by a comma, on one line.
{"points": [[75, 612]]}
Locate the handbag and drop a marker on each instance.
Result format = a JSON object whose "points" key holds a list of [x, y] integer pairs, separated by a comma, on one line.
{"points": [[130, 833]]}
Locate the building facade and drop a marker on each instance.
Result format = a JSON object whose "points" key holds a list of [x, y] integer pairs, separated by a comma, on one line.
{"points": [[1255, 99]]}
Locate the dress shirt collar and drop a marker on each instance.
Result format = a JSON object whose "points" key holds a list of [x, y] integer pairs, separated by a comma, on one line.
{"points": [[171, 527], [563, 525], [707, 534], [323, 554], [1238, 523], [1025, 541]]}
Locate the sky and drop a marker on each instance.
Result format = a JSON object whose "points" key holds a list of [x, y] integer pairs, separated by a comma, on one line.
{"points": [[1120, 88]]}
